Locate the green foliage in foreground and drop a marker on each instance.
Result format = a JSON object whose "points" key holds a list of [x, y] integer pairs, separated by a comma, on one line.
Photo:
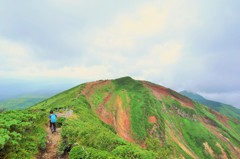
{"points": [[89, 153], [128, 151], [22, 134]]}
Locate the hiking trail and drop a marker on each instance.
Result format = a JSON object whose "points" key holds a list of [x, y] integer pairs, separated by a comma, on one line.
{"points": [[53, 140]]}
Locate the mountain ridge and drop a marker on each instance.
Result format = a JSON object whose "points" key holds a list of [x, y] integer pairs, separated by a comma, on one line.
{"points": [[127, 118], [225, 109]]}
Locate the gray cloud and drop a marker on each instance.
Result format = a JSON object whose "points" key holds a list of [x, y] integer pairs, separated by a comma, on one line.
{"points": [[109, 39]]}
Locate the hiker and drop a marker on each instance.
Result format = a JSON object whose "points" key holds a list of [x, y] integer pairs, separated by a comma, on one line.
{"points": [[52, 120]]}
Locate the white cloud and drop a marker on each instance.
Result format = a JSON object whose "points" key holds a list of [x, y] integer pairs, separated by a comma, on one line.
{"points": [[128, 28], [18, 61], [147, 20], [121, 40], [231, 98], [160, 59], [164, 41], [115, 47], [77, 72], [12, 53]]}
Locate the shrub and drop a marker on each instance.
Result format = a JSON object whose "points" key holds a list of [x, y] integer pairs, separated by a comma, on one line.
{"points": [[79, 152], [21, 134], [133, 152], [60, 121]]}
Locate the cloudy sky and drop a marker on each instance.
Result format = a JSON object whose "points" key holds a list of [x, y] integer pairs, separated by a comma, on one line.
{"points": [[181, 44]]}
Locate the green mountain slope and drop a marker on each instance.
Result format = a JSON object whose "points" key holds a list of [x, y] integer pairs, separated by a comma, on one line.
{"points": [[225, 109], [122, 118], [20, 102]]}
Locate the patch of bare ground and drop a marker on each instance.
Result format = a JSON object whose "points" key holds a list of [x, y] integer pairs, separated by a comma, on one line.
{"points": [[119, 118], [122, 121], [90, 87], [214, 130], [159, 92], [208, 149], [104, 114], [53, 140], [223, 119], [224, 155], [152, 119]]}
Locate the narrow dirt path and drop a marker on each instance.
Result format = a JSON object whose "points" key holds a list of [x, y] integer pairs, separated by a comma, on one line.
{"points": [[53, 140]]}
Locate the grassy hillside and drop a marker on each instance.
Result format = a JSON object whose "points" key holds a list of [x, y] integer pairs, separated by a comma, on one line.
{"points": [[20, 102], [225, 109], [122, 118]]}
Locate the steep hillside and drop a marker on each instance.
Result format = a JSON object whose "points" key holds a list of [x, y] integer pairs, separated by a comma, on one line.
{"points": [[123, 118], [225, 109]]}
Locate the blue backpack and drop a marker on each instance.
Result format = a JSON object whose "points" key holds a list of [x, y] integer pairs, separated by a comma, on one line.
{"points": [[53, 118]]}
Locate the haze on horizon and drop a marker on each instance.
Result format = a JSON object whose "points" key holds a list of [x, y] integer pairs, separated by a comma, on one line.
{"points": [[183, 45]]}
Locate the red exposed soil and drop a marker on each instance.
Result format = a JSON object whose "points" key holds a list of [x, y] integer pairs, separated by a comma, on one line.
{"points": [[160, 92], [223, 119], [90, 87], [107, 98], [122, 121], [119, 118], [218, 134], [105, 115], [152, 119]]}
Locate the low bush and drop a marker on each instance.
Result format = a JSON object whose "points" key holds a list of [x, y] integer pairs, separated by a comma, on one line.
{"points": [[79, 152], [22, 134], [133, 152]]}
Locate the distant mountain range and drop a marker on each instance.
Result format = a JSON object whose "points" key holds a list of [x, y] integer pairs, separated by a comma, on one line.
{"points": [[222, 108], [25, 100], [21, 102]]}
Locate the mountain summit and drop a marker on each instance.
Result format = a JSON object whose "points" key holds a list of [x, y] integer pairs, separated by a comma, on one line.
{"points": [[127, 118]]}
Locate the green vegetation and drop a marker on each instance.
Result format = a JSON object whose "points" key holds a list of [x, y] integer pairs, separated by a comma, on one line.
{"points": [[100, 94], [84, 135], [229, 111], [88, 153], [142, 106], [196, 134], [225, 109], [20, 103], [88, 137], [232, 134], [22, 134]]}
